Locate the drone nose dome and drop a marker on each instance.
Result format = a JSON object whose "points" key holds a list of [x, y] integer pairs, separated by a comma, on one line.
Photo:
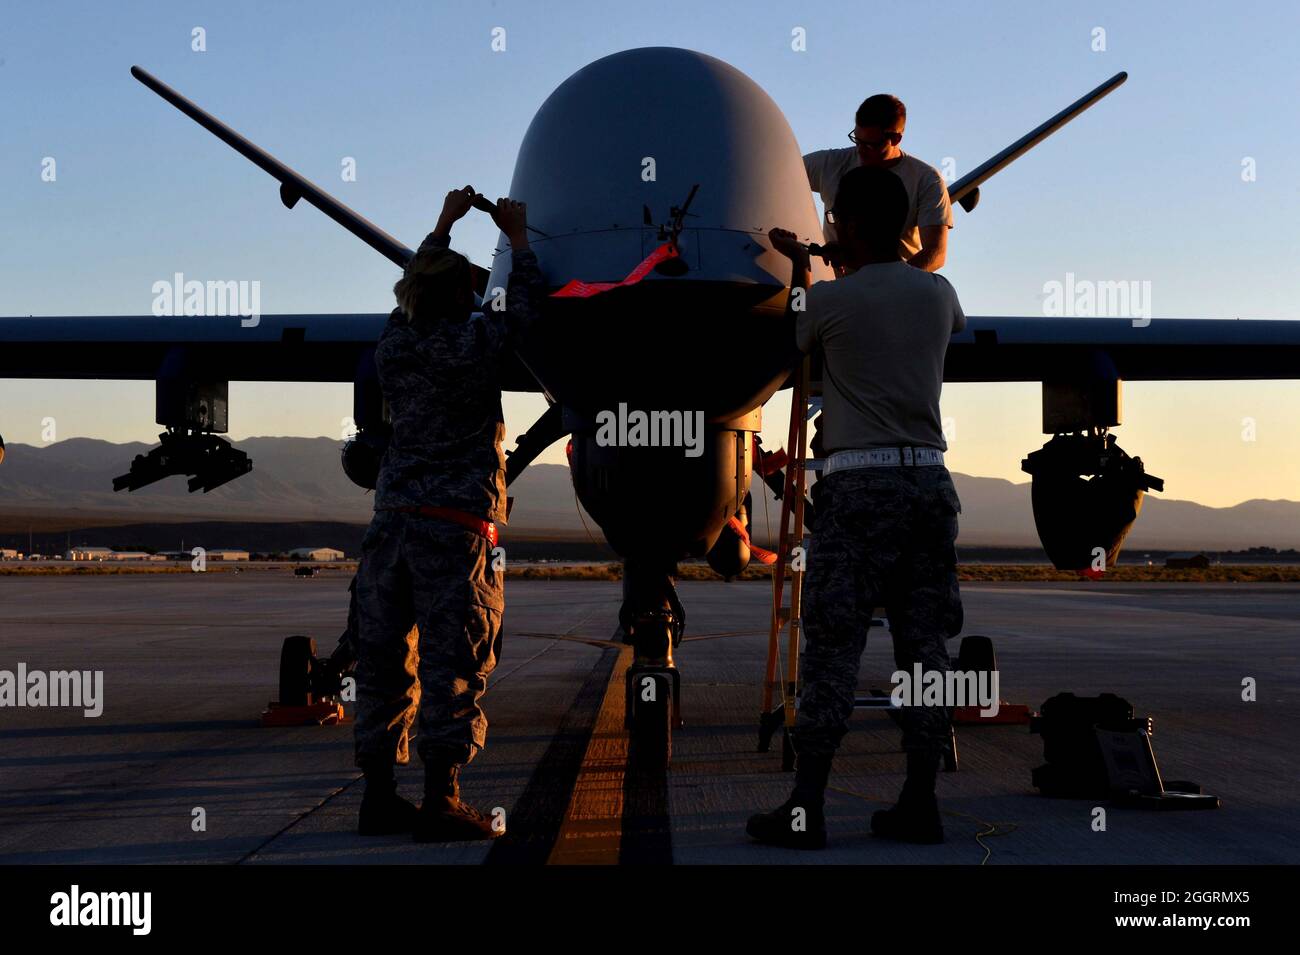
{"points": [[637, 150], [635, 131]]}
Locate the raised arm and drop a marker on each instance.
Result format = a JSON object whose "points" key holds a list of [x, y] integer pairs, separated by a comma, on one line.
{"points": [[526, 287], [788, 244], [454, 208]]}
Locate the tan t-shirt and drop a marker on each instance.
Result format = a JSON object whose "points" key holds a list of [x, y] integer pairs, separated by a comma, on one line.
{"points": [[925, 189], [883, 332]]}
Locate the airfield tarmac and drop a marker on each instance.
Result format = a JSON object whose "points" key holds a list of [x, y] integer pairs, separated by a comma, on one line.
{"points": [[190, 661]]}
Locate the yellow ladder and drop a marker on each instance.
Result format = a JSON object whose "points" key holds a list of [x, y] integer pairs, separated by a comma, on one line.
{"points": [[782, 716]]}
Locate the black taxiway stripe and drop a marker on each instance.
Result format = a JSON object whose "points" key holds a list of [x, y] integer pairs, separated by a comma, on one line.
{"points": [[536, 819], [647, 827]]}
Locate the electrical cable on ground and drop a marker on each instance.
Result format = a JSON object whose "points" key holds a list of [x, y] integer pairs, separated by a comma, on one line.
{"points": [[993, 828]]}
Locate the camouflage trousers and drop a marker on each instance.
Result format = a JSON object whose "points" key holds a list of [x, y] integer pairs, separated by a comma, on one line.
{"points": [[884, 537], [436, 577]]}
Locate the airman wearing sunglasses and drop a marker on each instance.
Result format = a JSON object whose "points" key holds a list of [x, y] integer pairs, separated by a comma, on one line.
{"points": [[875, 137]]}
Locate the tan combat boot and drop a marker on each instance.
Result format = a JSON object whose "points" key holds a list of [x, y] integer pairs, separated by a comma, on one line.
{"points": [[443, 817]]}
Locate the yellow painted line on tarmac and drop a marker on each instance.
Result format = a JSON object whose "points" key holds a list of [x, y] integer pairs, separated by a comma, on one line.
{"points": [[592, 831]]}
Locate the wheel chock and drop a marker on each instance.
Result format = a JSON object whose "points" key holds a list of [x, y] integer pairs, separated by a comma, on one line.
{"points": [[320, 713]]}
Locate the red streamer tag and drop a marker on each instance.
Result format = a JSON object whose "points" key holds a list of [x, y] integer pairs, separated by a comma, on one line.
{"points": [[579, 289], [772, 461], [758, 553]]}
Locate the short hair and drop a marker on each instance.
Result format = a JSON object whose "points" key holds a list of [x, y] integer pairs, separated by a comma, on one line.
{"points": [[435, 283], [883, 109], [876, 201]]}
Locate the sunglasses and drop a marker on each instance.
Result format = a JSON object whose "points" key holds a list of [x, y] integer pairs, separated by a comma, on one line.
{"points": [[890, 137]]}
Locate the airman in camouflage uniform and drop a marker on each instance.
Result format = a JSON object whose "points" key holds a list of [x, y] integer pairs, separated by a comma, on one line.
{"points": [[427, 557], [886, 506], [885, 537]]}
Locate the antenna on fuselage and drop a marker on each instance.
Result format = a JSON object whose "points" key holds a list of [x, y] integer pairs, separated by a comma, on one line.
{"points": [[674, 267]]}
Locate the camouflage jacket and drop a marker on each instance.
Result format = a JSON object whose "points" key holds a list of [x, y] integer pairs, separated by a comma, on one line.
{"points": [[443, 387]]}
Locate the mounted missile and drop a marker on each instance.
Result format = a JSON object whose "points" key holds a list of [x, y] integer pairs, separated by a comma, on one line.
{"points": [[966, 189]]}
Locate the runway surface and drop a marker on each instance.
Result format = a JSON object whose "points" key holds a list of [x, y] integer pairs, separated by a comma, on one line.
{"points": [[190, 661]]}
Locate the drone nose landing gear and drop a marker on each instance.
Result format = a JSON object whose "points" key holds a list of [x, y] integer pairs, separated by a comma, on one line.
{"points": [[653, 692]]}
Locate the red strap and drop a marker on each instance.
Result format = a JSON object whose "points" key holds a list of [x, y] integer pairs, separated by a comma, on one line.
{"points": [[769, 462], [476, 525], [761, 555], [580, 289]]}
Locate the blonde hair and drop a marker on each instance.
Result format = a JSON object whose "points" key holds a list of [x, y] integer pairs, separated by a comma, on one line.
{"points": [[436, 282]]}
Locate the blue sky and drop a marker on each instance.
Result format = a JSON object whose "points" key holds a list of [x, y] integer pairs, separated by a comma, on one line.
{"points": [[1147, 186]]}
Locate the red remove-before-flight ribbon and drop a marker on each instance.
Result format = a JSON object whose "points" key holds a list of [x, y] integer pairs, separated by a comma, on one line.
{"points": [[769, 462], [761, 555], [579, 289]]}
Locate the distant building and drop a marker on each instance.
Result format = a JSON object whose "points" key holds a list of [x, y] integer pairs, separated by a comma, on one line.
{"points": [[107, 553], [1187, 560], [84, 552], [315, 553], [212, 553]]}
